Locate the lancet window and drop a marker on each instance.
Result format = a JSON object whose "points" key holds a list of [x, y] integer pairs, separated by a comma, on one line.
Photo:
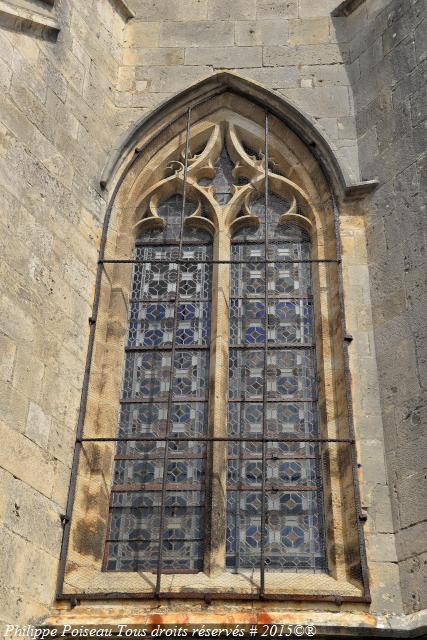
{"points": [[219, 388]]}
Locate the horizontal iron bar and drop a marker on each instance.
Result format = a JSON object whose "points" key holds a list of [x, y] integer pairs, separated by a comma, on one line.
{"points": [[239, 486], [141, 242], [132, 487], [170, 243], [258, 486], [195, 261], [218, 439], [154, 489], [271, 297], [222, 595], [271, 400], [164, 571], [255, 457], [171, 507], [196, 347], [173, 456], [154, 300], [182, 399], [271, 241], [251, 298], [252, 457], [156, 540], [260, 345], [160, 347]]}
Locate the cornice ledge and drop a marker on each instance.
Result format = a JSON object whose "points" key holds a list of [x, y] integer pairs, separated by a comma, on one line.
{"points": [[346, 8], [410, 625], [360, 190], [343, 624], [32, 17], [125, 9]]}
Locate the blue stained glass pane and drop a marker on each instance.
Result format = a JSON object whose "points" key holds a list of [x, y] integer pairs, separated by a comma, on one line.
{"points": [[153, 325], [293, 535], [139, 467]]}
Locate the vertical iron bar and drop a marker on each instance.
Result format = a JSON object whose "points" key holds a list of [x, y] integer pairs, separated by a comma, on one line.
{"points": [[239, 268], [172, 365], [241, 444], [264, 390], [318, 460]]}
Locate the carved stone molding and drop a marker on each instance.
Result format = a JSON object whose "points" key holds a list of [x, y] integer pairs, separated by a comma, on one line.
{"points": [[248, 177]]}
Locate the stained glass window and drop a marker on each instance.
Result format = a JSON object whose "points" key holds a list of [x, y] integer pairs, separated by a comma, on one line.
{"points": [[293, 533], [146, 481], [159, 508]]}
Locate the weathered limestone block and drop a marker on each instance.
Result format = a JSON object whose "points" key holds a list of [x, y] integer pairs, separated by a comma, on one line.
{"points": [[25, 460], [305, 54], [322, 75], [277, 9], [163, 56], [321, 101], [163, 79], [38, 425], [310, 9], [196, 34], [314, 31], [142, 33], [8, 353], [164, 10], [224, 57], [236, 10], [382, 547], [264, 32], [274, 78]]}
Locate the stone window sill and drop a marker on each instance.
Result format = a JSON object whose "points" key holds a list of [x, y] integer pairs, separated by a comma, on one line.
{"points": [[89, 581]]}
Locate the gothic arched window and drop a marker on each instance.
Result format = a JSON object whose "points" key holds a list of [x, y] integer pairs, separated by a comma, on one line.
{"points": [[215, 433]]}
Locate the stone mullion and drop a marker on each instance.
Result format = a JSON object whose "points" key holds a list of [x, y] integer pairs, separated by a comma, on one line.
{"points": [[216, 500]]}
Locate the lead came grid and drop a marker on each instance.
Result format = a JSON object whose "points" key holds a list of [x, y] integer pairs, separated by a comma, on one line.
{"points": [[144, 470], [274, 490]]}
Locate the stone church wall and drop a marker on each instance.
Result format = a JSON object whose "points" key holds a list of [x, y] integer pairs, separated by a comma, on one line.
{"points": [[389, 63], [289, 46], [56, 113]]}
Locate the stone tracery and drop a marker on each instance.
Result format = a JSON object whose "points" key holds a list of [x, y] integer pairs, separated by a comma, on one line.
{"points": [[225, 149]]}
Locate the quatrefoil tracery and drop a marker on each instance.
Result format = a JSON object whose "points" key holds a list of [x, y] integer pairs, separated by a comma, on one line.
{"points": [[230, 158]]}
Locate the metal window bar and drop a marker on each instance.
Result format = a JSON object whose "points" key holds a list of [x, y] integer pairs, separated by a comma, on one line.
{"points": [[220, 439], [172, 366], [264, 388], [194, 261], [81, 439]]}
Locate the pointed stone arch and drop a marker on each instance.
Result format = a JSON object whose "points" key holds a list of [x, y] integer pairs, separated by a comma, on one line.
{"points": [[144, 172], [336, 169]]}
